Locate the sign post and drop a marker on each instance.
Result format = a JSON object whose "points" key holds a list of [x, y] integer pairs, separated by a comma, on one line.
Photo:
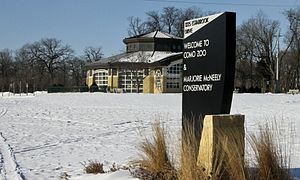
{"points": [[208, 68]]}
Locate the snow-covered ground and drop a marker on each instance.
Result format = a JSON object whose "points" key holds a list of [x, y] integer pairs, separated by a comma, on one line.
{"points": [[45, 135]]}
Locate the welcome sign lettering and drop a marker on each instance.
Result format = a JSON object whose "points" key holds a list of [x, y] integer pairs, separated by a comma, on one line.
{"points": [[208, 67]]}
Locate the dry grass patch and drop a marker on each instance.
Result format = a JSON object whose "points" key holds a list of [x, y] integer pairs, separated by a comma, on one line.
{"points": [[93, 167], [228, 162], [271, 159], [230, 155], [155, 160], [188, 168]]}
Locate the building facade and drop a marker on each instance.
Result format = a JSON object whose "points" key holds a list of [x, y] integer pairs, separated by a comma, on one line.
{"points": [[152, 63]]}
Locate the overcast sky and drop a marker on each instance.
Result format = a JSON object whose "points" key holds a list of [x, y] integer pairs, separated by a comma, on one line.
{"points": [[82, 23]]}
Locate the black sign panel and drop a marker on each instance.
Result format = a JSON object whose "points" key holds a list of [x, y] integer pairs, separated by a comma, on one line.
{"points": [[208, 67]]}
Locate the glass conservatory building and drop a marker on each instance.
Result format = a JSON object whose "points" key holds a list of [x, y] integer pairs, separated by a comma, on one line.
{"points": [[152, 63]]}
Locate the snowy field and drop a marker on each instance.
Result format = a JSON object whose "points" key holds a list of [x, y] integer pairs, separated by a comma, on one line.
{"points": [[44, 135]]}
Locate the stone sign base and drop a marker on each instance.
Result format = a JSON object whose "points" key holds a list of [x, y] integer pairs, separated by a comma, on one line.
{"points": [[222, 138]]}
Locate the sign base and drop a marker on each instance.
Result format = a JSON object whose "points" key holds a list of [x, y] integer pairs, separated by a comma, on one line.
{"points": [[222, 136]]}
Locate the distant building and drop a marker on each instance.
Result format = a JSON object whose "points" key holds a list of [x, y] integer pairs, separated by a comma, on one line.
{"points": [[152, 63]]}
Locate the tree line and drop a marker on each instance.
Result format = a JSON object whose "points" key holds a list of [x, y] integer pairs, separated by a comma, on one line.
{"points": [[259, 52], [43, 63], [258, 45], [260, 42]]}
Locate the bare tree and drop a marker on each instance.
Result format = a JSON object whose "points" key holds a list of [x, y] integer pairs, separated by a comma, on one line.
{"points": [[246, 62], [262, 34], [169, 17], [6, 68], [92, 54], [25, 66], [288, 71], [52, 53], [76, 70], [184, 15], [171, 20], [293, 41], [136, 26], [153, 22]]}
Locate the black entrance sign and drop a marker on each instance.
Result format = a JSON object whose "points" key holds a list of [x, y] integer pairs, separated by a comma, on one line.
{"points": [[208, 67]]}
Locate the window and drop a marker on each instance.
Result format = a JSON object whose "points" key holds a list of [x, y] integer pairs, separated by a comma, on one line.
{"points": [[101, 77], [174, 76], [179, 47], [173, 47], [146, 47], [175, 69], [163, 47], [132, 47], [131, 80], [158, 79]]}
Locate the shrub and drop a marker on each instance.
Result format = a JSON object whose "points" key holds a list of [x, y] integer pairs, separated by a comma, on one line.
{"points": [[61, 89], [84, 88], [229, 158], [93, 167], [64, 176], [155, 162], [271, 159], [188, 168], [94, 87]]}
